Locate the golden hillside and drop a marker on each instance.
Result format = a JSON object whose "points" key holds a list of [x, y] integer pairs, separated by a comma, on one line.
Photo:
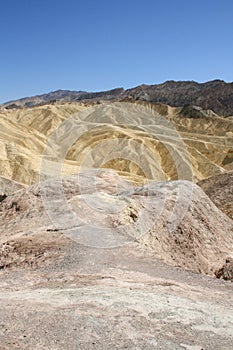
{"points": [[138, 140]]}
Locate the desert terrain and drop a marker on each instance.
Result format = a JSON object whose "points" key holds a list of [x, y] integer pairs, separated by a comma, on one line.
{"points": [[116, 222]]}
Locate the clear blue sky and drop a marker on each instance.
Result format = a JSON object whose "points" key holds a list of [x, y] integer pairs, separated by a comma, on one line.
{"points": [[96, 45]]}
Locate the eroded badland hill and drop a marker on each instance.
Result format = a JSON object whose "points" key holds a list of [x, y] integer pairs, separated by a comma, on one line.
{"points": [[131, 248]]}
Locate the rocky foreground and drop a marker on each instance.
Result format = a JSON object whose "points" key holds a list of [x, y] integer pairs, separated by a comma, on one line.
{"points": [[103, 264]]}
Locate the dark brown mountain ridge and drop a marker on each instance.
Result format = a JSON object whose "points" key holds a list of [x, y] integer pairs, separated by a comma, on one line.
{"points": [[216, 95]]}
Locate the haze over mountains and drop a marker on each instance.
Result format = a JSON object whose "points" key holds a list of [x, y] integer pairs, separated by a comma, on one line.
{"points": [[216, 95]]}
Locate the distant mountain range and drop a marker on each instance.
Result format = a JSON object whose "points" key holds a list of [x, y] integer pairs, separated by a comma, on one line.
{"points": [[216, 95]]}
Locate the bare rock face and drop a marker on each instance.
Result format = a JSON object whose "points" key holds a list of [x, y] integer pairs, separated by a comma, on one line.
{"points": [[215, 95], [174, 221], [220, 190], [8, 186], [226, 272]]}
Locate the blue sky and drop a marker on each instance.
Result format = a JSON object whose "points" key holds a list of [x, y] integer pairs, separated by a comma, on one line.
{"points": [[91, 45]]}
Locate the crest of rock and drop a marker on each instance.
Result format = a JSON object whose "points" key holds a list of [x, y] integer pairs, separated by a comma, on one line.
{"points": [[175, 221]]}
